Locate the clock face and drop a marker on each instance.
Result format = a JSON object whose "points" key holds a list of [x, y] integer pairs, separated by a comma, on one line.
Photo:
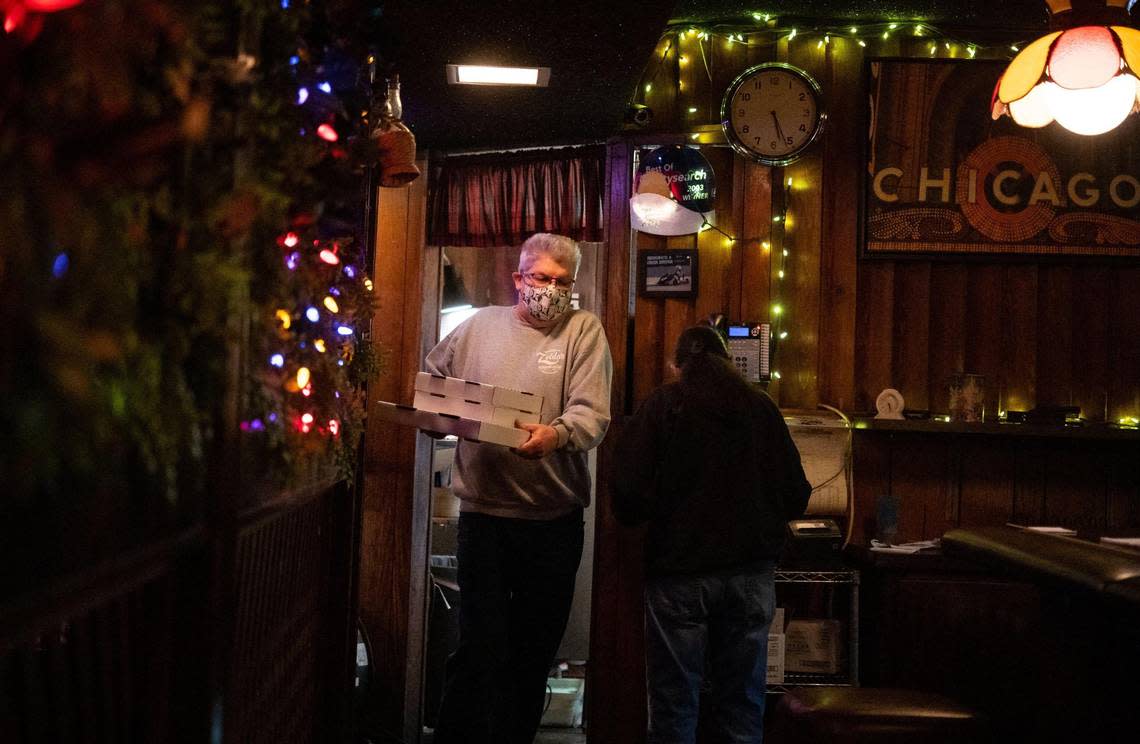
{"points": [[772, 113]]}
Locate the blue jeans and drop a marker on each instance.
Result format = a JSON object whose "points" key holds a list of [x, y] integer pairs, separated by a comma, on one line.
{"points": [[516, 583], [716, 622]]}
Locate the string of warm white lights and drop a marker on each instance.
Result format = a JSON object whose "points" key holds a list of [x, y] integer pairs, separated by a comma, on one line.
{"points": [[776, 248], [771, 32], [682, 42], [776, 278]]}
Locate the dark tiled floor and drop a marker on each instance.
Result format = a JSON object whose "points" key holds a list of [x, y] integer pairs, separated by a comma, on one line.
{"points": [[545, 736], [560, 736]]}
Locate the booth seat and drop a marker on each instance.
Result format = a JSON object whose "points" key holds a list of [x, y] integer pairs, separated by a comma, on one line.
{"points": [[1081, 648], [1064, 562], [856, 715], [1127, 591]]}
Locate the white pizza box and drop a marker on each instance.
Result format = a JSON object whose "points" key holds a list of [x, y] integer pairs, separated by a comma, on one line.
{"points": [[498, 415], [444, 423], [455, 387], [412, 416], [503, 416], [452, 405], [485, 431], [479, 392]]}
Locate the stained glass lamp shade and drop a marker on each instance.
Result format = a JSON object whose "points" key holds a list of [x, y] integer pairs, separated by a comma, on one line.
{"points": [[1083, 77]]}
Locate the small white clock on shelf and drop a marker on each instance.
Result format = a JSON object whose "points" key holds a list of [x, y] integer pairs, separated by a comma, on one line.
{"points": [[889, 404], [772, 113]]}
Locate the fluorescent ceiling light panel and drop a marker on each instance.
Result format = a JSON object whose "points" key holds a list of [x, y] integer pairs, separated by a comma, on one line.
{"points": [[491, 75]]}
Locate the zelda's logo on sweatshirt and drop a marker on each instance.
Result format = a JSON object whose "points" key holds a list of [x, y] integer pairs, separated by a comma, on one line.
{"points": [[550, 362]]}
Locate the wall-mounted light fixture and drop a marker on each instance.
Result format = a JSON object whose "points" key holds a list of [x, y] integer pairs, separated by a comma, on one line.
{"points": [[1083, 74], [493, 75]]}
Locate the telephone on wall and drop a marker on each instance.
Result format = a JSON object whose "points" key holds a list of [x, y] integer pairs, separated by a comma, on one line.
{"points": [[749, 347]]}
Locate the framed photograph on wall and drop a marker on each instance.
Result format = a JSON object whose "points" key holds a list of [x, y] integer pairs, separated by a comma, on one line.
{"points": [[667, 274]]}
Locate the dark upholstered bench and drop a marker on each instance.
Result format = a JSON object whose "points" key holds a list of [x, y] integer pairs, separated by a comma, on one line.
{"points": [[1052, 559], [863, 715], [1082, 643], [1127, 591]]}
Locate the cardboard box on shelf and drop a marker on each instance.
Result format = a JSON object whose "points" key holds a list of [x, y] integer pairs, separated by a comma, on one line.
{"points": [[813, 646], [776, 658], [777, 622]]}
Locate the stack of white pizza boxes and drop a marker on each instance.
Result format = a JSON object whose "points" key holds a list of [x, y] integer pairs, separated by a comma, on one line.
{"points": [[468, 409]]}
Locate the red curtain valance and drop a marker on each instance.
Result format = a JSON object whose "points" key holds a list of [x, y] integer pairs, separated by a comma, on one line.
{"points": [[503, 199]]}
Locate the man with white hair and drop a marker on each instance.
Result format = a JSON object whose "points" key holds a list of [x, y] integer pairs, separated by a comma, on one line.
{"points": [[520, 525]]}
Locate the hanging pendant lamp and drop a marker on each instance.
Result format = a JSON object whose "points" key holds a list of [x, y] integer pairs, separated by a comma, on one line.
{"points": [[1083, 74]]}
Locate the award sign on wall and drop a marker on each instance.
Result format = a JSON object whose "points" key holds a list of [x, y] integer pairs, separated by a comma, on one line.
{"points": [[673, 192]]}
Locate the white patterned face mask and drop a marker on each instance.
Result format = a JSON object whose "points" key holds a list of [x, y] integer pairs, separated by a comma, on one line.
{"points": [[547, 302]]}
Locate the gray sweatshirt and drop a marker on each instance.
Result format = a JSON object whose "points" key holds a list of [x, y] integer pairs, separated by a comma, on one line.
{"points": [[569, 365]]}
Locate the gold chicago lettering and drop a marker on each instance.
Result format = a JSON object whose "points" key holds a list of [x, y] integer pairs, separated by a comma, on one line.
{"points": [[1081, 188], [1000, 195], [877, 185], [1089, 197], [942, 184], [1044, 190], [1114, 191]]}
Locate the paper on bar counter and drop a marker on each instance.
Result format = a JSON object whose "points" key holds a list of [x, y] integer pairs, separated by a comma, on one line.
{"points": [[904, 548], [1044, 529], [1128, 542], [823, 439]]}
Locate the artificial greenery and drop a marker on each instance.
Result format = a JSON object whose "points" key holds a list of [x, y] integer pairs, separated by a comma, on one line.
{"points": [[153, 155]]}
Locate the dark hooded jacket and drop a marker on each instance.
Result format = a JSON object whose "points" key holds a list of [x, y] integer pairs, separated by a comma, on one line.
{"points": [[710, 464]]}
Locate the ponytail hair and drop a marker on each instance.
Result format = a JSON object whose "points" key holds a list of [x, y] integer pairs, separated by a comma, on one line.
{"points": [[710, 382], [698, 341]]}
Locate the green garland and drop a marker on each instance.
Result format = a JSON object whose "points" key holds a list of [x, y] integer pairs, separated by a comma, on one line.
{"points": [[153, 156]]}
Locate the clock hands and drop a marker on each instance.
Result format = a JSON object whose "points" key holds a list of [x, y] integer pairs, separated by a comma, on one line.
{"points": [[779, 131]]}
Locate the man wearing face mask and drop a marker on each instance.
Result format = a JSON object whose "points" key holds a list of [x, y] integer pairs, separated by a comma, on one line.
{"points": [[520, 525]]}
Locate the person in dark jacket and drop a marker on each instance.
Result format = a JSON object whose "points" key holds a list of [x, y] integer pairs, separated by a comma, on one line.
{"points": [[708, 462]]}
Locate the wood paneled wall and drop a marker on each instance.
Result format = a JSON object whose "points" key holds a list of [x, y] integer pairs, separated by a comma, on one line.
{"points": [[817, 292], [1042, 333], [732, 279], [947, 480], [394, 539]]}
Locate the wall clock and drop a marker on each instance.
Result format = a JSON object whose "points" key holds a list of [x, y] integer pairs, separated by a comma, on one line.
{"points": [[772, 113]]}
